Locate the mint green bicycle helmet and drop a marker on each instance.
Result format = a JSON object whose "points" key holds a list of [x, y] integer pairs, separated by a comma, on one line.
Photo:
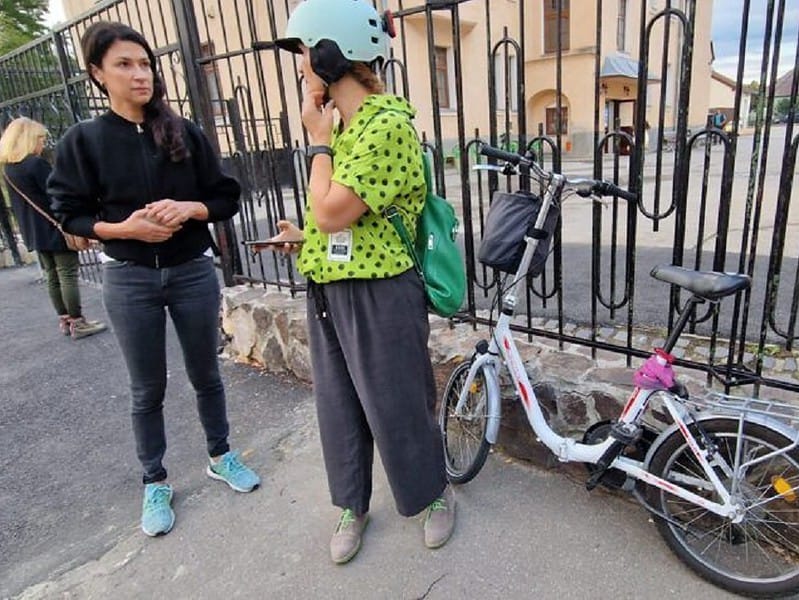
{"points": [[338, 33]]}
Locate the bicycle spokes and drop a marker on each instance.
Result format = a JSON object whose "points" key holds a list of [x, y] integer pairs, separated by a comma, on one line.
{"points": [[463, 427], [760, 544]]}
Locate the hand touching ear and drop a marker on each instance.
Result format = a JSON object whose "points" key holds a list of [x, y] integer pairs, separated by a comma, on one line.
{"points": [[317, 116]]}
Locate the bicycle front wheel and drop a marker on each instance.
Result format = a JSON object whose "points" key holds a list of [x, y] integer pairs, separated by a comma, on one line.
{"points": [[759, 556], [463, 434]]}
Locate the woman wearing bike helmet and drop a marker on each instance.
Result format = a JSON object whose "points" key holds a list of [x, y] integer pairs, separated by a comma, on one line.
{"points": [[367, 317]]}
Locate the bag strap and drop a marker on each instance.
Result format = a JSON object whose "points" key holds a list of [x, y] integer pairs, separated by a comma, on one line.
{"points": [[391, 212], [36, 207]]}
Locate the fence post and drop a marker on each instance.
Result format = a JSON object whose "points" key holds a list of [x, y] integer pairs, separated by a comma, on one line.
{"points": [[201, 109], [64, 69]]}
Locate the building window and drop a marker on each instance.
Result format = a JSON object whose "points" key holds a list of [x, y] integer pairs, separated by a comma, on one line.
{"points": [[442, 77], [552, 117], [621, 30], [211, 75], [550, 25], [502, 79]]}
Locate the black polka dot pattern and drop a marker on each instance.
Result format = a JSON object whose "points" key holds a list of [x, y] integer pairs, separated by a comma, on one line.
{"points": [[379, 158]]}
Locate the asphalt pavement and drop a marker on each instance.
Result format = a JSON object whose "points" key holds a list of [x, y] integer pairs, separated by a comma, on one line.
{"points": [[70, 497]]}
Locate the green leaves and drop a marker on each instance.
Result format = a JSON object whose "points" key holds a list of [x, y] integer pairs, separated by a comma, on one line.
{"points": [[20, 22]]}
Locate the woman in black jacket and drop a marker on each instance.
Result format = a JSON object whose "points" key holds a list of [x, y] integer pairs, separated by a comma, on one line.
{"points": [[147, 183], [25, 175]]}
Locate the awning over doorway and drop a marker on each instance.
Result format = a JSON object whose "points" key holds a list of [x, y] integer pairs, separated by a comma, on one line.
{"points": [[618, 65]]}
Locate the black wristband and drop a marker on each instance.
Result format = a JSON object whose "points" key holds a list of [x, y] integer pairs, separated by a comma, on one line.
{"points": [[312, 151]]}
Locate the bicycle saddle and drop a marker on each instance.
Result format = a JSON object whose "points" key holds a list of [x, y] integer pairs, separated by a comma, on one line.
{"points": [[707, 284]]}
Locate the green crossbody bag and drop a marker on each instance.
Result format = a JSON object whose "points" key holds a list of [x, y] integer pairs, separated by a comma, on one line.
{"points": [[434, 252]]}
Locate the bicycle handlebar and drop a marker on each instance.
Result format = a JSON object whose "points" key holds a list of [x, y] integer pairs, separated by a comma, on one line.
{"points": [[606, 188], [584, 187], [511, 157]]}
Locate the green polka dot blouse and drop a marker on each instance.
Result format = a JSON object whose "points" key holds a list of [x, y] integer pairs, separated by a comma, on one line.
{"points": [[379, 157]]}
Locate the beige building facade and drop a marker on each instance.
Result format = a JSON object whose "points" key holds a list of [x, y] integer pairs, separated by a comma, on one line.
{"points": [[264, 86], [722, 98]]}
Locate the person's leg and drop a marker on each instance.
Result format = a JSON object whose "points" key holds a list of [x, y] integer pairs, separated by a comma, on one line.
{"points": [[67, 265], [383, 328], [135, 304], [347, 444], [192, 296], [50, 267], [192, 292]]}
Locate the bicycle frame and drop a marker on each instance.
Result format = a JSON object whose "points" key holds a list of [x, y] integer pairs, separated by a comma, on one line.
{"points": [[502, 350]]}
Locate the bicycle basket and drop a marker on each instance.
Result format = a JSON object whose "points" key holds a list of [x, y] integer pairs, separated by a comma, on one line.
{"points": [[511, 217]]}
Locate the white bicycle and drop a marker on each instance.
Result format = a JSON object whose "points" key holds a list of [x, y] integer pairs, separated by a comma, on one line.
{"points": [[720, 480]]}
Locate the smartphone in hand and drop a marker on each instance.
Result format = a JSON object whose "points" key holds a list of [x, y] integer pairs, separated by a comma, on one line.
{"points": [[270, 242], [258, 245]]}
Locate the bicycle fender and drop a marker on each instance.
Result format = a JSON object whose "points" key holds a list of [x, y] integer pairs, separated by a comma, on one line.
{"points": [[494, 405], [777, 426]]}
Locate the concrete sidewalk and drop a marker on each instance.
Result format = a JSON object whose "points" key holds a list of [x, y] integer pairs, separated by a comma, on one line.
{"points": [[71, 497]]}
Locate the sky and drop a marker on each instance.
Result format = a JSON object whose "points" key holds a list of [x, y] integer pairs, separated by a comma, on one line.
{"points": [[726, 35], [56, 13]]}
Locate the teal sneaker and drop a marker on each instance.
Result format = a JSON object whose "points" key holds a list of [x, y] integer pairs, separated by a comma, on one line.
{"points": [[157, 516], [233, 472]]}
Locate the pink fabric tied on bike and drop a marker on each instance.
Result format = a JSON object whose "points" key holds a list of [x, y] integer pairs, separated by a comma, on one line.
{"points": [[656, 373]]}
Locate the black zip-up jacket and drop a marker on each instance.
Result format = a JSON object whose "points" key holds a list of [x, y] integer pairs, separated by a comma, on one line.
{"points": [[30, 176], [108, 167]]}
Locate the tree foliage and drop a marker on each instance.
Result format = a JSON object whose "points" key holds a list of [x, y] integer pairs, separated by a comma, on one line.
{"points": [[20, 22], [782, 107]]}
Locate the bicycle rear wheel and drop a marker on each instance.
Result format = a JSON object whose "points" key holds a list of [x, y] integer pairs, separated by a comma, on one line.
{"points": [[465, 444], [758, 556]]}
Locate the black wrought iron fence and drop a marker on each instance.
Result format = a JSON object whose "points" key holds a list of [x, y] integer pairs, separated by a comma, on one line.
{"points": [[625, 96]]}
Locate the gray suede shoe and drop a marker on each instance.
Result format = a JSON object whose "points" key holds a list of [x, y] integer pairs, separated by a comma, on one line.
{"points": [[439, 520], [79, 327], [346, 541]]}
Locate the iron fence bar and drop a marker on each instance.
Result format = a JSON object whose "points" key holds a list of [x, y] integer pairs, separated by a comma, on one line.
{"points": [[58, 41], [740, 308], [757, 183], [596, 173], [559, 84], [45, 81], [438, 157], [186, 23], [597, 170], [33, 96]]}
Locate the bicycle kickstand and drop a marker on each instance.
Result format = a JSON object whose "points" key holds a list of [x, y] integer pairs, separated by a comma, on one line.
{"points": [[623, 435]]}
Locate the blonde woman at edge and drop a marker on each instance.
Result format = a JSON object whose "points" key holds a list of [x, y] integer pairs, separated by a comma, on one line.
{"points": [[25, 172]]}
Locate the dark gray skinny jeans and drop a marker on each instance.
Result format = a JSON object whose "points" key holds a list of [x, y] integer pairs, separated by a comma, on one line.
{"points": [[137, 299]]}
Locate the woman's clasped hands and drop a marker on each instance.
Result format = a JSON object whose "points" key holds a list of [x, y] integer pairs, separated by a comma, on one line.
{"points": [[159, 220]]}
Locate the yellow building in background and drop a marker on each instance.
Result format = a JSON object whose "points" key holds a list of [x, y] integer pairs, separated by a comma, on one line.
{"points": [[231, 29]]}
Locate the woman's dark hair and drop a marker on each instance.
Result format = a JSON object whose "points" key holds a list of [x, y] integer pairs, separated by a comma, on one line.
{"points": [[166, 126]]}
